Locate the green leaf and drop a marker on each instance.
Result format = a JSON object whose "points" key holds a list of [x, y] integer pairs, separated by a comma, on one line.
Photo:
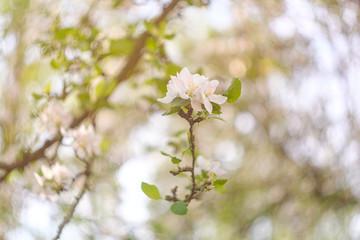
{"points": [[178, 102], [151, 191], [234, 91], [219, 186], [105, 88], [151, 44], [61, 34], [54, 64], [174, 160], [220, 182], [171, 111], [48, 88], [169, 36], [179, 208], [37, 96], [216, 108], [121, 46]]}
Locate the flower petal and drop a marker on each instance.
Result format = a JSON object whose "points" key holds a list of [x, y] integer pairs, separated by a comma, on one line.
{"points": [[217, 98], [208, 105], [168, 98], [213, 85], [196, 105]]}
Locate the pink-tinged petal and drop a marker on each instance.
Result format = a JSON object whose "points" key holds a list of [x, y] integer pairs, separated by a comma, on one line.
{"points": [[168, 98], [217, 98], [185, 75], [178, 84], [208, 105], [196, 105], [185, 72], [213, 85]]}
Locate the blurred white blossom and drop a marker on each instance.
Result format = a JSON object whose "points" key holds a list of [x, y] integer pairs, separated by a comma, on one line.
{"points": [[86, 142], [53, 177], [54, 117], [59, 173], [211, 166]]}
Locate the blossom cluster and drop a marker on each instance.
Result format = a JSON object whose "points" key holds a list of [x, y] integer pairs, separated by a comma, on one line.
{"points": [[55, 117], [52, 178], [199, 89]]}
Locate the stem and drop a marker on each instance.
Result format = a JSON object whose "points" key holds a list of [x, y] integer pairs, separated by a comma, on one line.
{"points": [[192, 149]]}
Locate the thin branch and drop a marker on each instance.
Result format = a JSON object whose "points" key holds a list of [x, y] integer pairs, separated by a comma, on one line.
{"points": [[73, 206], [192, 149], [180, 170], [189, 118]]}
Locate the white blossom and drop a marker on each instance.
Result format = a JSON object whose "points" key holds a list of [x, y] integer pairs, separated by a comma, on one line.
{"points": [[211, 166], [195, 87], [54, 117], [58, 173], [86, 142]]}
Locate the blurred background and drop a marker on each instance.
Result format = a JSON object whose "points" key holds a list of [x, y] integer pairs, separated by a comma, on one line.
{"points": [[290, 145]]}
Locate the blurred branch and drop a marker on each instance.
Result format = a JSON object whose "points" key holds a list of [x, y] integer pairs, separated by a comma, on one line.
{"points": [[73, 206], [123, 75]]}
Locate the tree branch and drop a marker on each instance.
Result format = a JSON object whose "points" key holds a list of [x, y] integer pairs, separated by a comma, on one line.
{"points": [[73, 206], [123, 75]]}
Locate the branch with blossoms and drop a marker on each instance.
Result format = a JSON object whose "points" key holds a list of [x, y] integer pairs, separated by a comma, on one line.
{"points": [[193, 98], [32, 156]]}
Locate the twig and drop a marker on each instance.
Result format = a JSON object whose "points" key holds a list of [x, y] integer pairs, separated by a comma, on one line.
{"points": [[188, 117], [73, 206], [180, 170]]}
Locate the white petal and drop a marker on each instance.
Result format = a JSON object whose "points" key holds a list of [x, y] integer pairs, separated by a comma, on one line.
{"points": [[196, 105], [47, 172], [208, 105], [184, 73], [168, 98], [179, 85], [213, 85], [217, 98], [39, 179]]}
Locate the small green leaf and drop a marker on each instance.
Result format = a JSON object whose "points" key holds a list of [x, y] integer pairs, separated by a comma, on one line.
{"points": [[121, 46], [48, 88], [165, 154], [169, 36], [151, 44], [220, 182], [172, 111], [234, 91], [179, 208], [105, 88], [180, 102], [219, 186], [216, 108], [54, 64], [37, 96], [61, 34], [151, 191], [174, 160], [204, 174]]}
